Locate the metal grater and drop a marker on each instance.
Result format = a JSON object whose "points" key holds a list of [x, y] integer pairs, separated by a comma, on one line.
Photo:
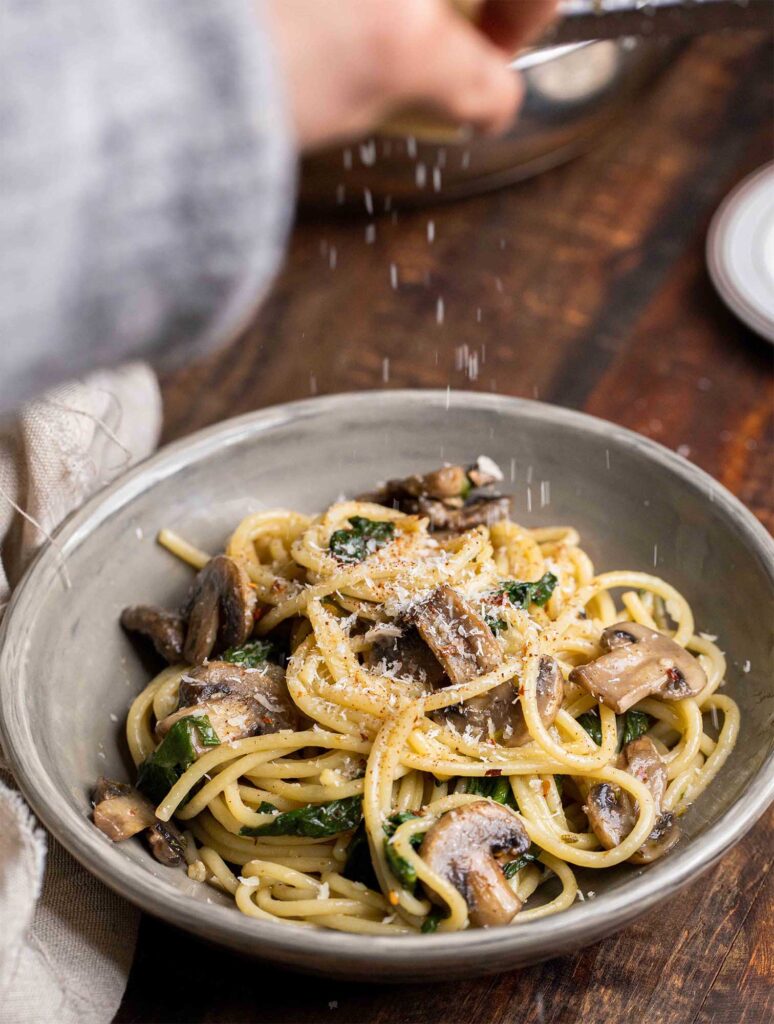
{"points": [[607, 19], [585, 21]]}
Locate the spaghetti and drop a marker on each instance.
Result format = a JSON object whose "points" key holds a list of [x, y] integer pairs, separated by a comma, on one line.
{"points": [[336, 821]]}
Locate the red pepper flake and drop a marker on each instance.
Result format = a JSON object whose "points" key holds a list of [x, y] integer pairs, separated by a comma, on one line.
{"points": [[494, 772], [259, 613], [673, 675], [546, 787]]}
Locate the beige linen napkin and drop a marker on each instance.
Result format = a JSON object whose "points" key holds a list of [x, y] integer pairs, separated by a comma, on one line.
{"points": [[66, 942]]}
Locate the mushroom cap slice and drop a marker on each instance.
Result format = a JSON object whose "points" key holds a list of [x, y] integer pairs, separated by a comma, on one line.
{"points": [[238, 701], [612, 813], [219, 678], [220, 609], [444, 496], [499, 712], [492, 714], [446, 482], [406, 655], [639, 662], [464, 645], [166, 843], [458, 637], [105, 788], [623, 633], [165, 629], [644, 762], [477, 510], [120, 811], [461, 848], [663, 836]]}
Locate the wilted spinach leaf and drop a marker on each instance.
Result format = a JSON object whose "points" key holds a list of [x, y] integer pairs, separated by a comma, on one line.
{"points": [[590, 721], [514, 866], [392, 823], [496, 625], [365, 537], [313, 820], [400, 867], [523, 594], [635, 724], [252, 654], [358, 866], [431, 922], [497, 789], [177, 752], [632, 725]]}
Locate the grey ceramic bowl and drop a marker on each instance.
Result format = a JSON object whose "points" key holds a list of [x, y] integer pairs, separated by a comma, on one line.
{"points": [[66, 667]]}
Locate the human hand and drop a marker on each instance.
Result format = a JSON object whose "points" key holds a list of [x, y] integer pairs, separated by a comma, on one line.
{"points": [[349, 64]]}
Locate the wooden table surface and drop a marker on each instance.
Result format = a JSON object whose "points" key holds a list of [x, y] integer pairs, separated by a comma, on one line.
{"points": [[585, 287]]}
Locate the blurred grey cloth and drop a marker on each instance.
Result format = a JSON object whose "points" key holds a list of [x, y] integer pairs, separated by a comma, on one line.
{"points": [[146, 181], [66, 942], [146, 185]]}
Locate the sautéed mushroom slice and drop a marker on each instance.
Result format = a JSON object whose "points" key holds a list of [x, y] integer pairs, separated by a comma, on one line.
{"points": [[448, 483], [120, 812], [478, 510], [465, 647], [459, 638], [166, 843], [220, 609], [406, 655], [498, 713], [639, 662], [612, 813], [453, 498], [165, 629], [462, 847], [218, 614], [238, 701]]}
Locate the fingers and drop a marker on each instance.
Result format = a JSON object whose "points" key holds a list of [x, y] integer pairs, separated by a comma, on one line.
{"points": [[460, 73], [348, 65], [512, 24]]}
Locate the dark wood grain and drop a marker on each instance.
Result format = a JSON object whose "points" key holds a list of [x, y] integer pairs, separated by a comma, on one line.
{"points": [[585, 287]]}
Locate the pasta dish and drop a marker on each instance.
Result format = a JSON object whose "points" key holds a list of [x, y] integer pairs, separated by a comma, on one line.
{"points": [[411, 714]]}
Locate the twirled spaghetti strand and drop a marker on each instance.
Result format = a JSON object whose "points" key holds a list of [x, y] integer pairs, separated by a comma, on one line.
{"points": [[377, 734]]}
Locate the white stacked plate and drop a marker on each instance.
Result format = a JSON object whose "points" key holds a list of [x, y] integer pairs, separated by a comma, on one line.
{"points": [[740, 251]]}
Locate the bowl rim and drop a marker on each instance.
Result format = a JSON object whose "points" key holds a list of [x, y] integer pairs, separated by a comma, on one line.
{"points": [[579, 925]]}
